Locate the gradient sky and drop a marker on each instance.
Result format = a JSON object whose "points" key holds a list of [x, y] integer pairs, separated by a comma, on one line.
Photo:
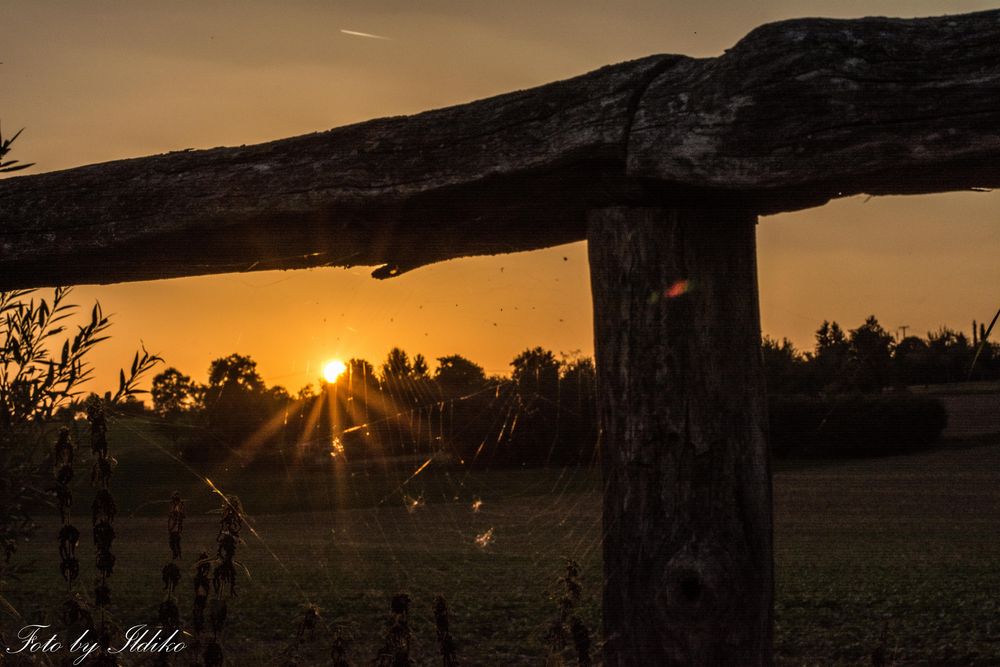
{"points": [[96, 81]]}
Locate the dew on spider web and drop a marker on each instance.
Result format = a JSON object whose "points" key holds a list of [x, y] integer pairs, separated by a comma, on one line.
{"points": [[485, 538]]}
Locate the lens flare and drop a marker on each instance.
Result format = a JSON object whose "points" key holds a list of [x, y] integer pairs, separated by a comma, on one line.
{"points": [[677, 289]]}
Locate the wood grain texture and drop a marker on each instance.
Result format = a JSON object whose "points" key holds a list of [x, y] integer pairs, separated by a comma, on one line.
{"points": [[687, 497], [803, 111], [509, 173], [796, 113]]}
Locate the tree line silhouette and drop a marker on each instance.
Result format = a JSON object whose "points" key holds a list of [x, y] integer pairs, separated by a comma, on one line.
{"points": [[544, 412], [869, 359]]}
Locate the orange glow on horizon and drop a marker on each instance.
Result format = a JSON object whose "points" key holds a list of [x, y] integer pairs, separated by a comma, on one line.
{"points": [[146, 87]]}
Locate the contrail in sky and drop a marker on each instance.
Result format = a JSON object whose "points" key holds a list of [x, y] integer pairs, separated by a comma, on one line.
{"points": [[355, 33]]}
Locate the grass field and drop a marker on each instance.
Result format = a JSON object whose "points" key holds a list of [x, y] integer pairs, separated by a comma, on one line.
{"points": [[905, 546]]}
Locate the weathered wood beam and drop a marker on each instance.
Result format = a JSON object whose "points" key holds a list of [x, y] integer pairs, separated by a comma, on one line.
{"points": [[827, 108], [796, 113], [687, 499], [509, 173]]}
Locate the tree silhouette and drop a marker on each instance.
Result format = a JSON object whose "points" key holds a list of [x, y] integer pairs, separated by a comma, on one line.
{"points": [[911, 361], [171, 393], [951, 355], [535, 375], [784, 367], [420, 368], [870, 367], [457, 375], [832, 349], [535, 380], [236, 370], [235, 406], [396, 366], [577, 434]]}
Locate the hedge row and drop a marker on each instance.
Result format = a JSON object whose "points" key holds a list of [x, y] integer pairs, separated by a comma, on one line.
{"points": [[854, 425]]}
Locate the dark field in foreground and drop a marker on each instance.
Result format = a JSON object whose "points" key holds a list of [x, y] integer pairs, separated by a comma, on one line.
{"points": [[906, 545]]}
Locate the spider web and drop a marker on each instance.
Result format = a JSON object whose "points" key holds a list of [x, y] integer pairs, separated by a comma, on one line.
{"points": [[427, 502]]}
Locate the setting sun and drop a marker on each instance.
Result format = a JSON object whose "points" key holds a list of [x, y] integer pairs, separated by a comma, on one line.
{"points": [[333, 369]]}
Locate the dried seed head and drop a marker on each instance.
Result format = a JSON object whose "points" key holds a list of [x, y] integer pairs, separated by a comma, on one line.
{"points": [[175, 545], [232, 516], [308, 623], [64, 474], [202, 587], [69, 538], [64, 448], [566, 626], [101, 472], [202, 567], [102, 594], [171, 577], [98, 428], [446, 643], [105, 563], [75, 613], [395, 650], [175, 524], [175, 518], [104, 535], [571, 589], [227, 546], [224, 577], [104, 507], [69, 568], [400, 604]]}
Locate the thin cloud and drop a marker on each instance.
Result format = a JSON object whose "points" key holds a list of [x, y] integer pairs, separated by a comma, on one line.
{"points": [[355, 33]]}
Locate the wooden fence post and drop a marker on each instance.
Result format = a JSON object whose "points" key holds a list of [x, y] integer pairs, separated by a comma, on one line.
{"points": [[687, 499]]}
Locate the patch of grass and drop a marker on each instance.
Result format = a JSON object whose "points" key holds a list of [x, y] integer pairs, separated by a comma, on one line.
{"points": [[149, 471], [907, 544]]}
